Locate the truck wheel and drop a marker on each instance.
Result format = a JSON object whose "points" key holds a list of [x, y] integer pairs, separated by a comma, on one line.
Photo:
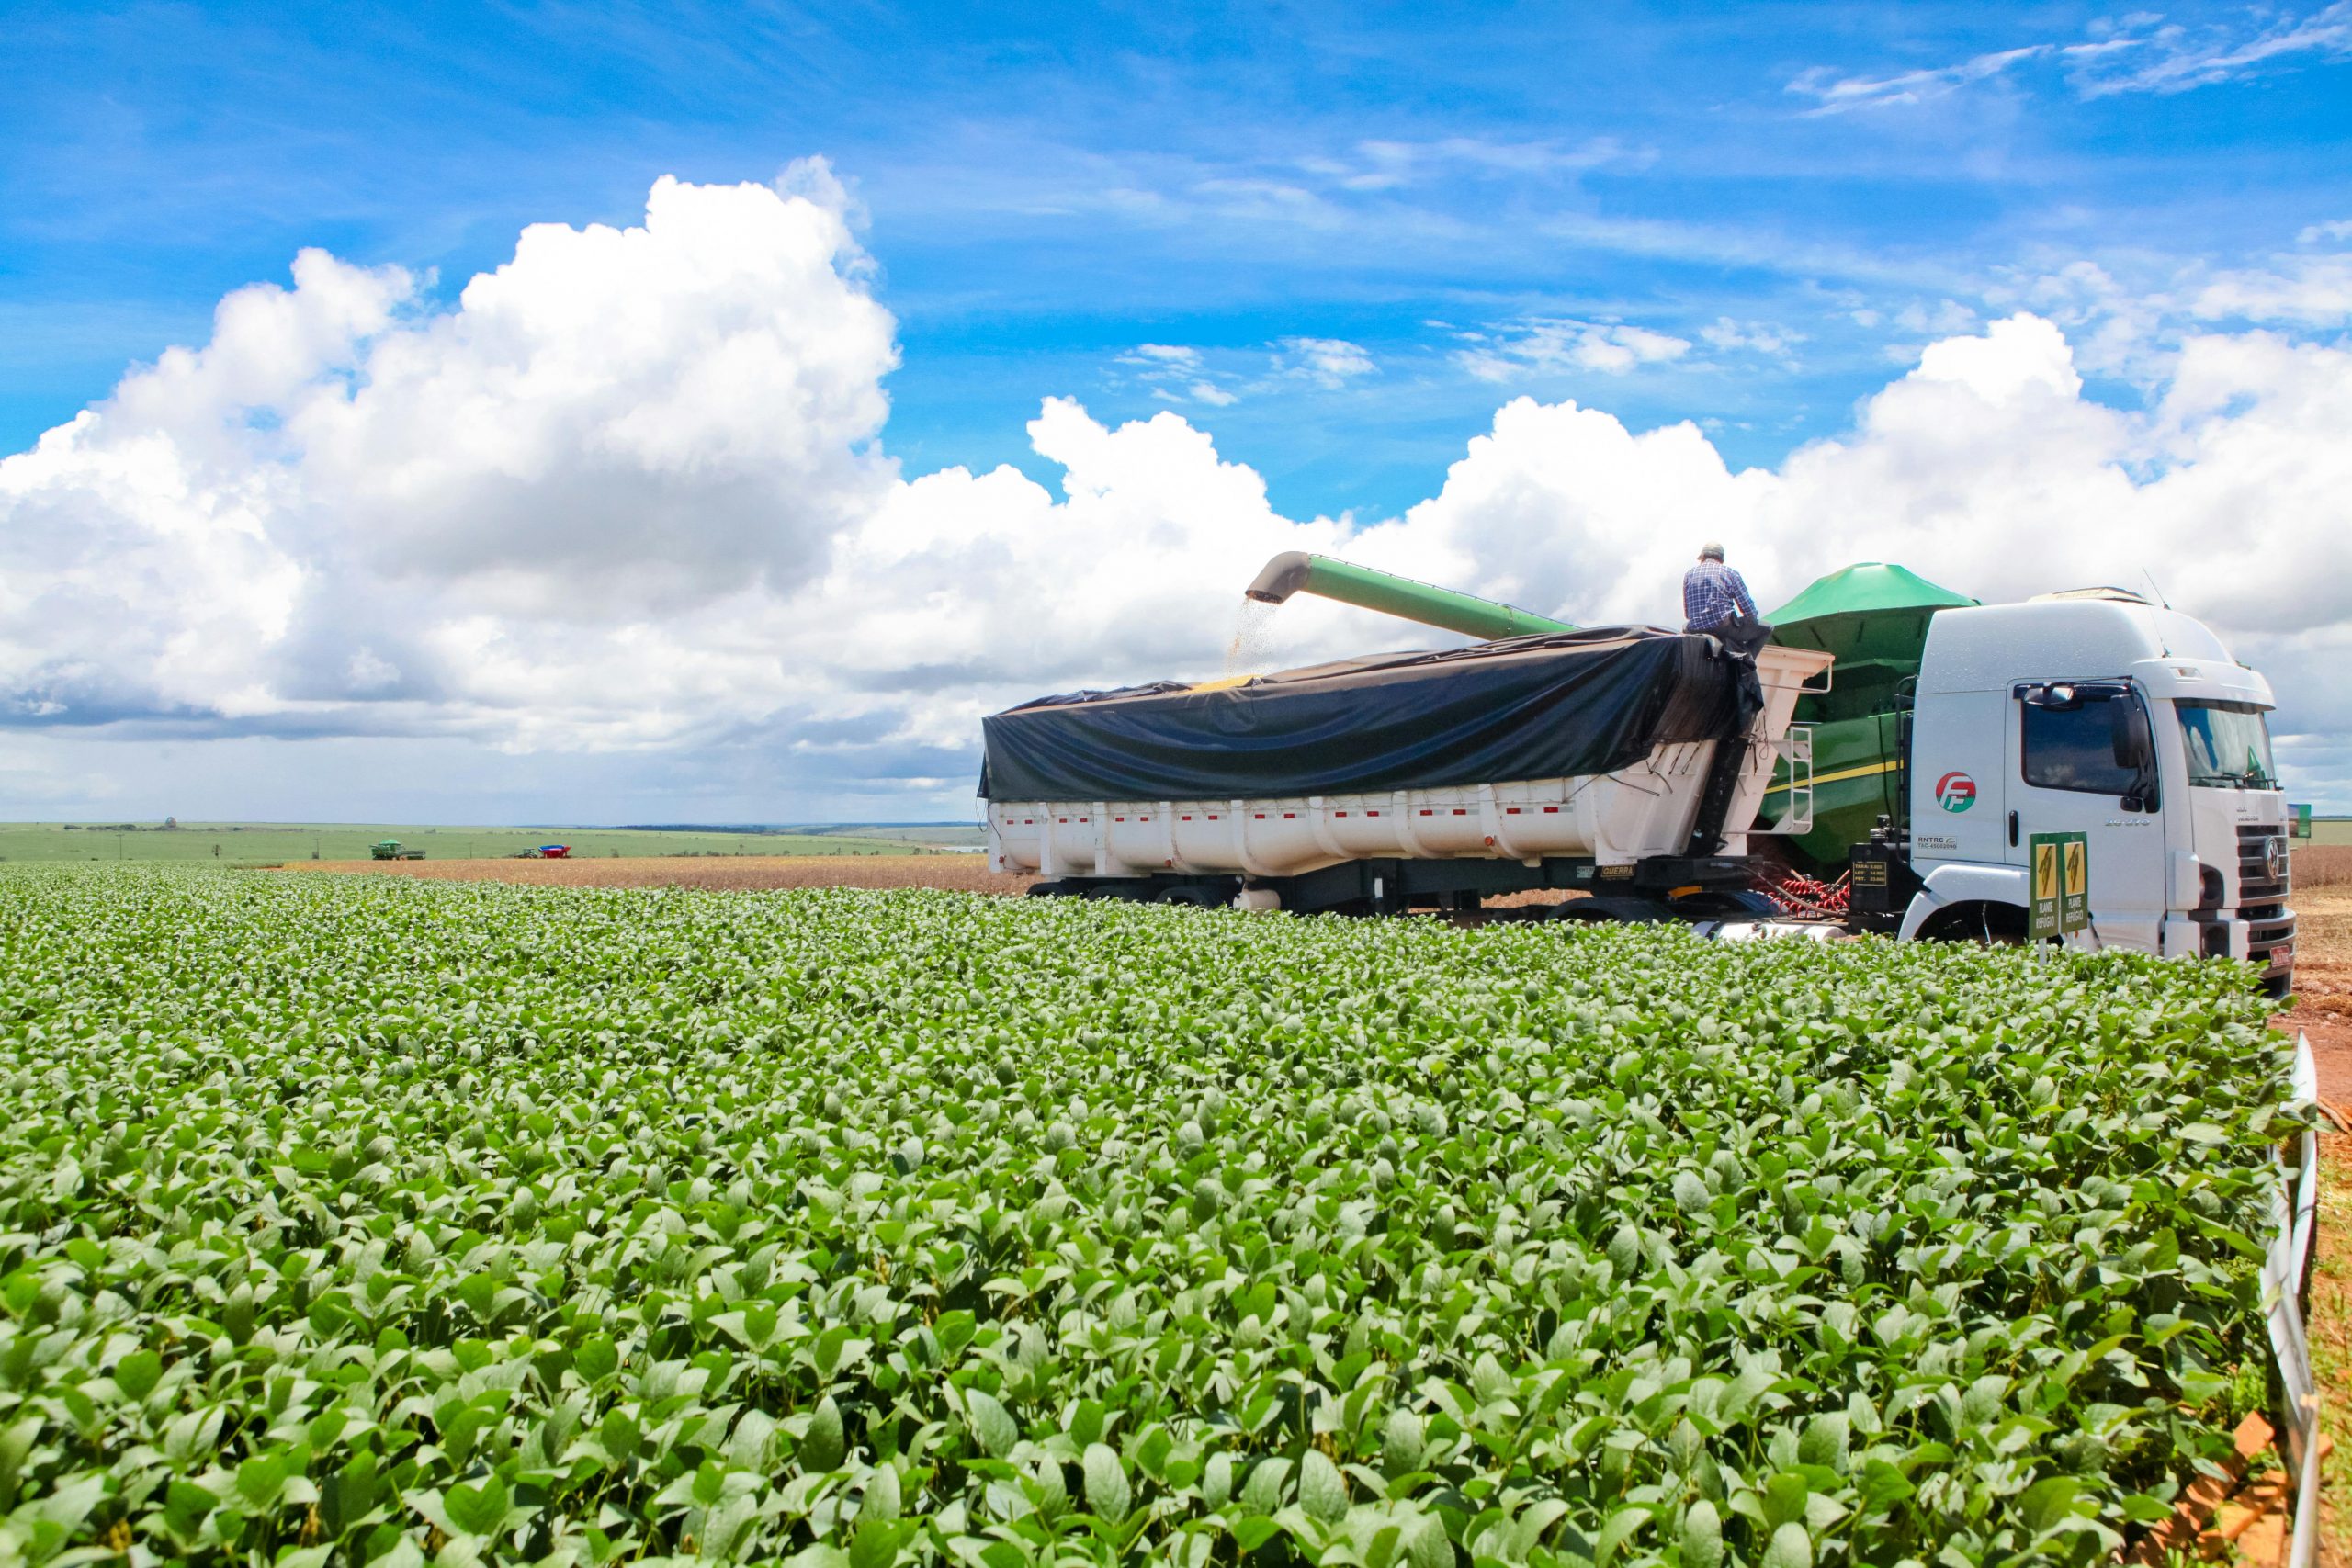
{"points": [[1197, 897], [1613, 911], [1050, 890], [1988, 925]]}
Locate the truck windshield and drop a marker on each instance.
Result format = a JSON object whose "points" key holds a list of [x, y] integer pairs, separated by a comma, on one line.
{"points": [[2228, 745]]}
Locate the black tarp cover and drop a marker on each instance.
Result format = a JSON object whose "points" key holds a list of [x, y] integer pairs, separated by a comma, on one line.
{"points": [[1532, 708]]}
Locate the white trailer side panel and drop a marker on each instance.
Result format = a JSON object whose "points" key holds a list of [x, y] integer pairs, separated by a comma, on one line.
{"points": [[1613, 818]]}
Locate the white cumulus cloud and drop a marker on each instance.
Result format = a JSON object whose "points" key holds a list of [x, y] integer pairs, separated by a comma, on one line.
{"points": [[346, 492], [627, 495], [1985, 468], [2315, 290]]}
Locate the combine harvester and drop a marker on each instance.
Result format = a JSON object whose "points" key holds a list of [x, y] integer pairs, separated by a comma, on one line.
{"points": [[2087, 765]]}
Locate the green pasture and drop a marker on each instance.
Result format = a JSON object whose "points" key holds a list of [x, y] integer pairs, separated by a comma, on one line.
{"points": [[940, 835]]}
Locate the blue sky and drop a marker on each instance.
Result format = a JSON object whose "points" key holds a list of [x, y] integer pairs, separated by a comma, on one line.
{"points": [[1048, 186], [601, 462]]}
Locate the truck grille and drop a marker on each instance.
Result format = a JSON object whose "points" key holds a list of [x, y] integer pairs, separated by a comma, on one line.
{"points": [[2255, 885]]}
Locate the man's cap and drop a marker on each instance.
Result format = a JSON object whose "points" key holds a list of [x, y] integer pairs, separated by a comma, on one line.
{"points": [[1711, 551]]}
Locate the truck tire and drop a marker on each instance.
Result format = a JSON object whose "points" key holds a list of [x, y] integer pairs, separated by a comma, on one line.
{"points": [[1987, 925], [1196, 897], [1613, 911]]}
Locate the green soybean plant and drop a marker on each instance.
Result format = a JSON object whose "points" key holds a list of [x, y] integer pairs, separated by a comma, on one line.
{"points": [[388, 1221]]}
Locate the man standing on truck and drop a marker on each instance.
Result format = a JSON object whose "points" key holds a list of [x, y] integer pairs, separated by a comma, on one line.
{"points": [[1715, 601]]}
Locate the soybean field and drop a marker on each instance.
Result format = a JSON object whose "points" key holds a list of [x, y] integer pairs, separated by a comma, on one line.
{"points": [[373, 1221]]}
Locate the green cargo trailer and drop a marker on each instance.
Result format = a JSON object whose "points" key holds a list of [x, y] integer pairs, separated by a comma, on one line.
{"points": [[1873, 618]]}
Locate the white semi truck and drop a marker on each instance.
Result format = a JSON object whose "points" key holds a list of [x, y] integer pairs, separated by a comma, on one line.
{"points": [[1633, 764], [2125, 722]]}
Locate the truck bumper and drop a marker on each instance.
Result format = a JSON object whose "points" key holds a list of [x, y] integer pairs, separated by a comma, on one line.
{"points": [[2271, 944], [2265, 940]]}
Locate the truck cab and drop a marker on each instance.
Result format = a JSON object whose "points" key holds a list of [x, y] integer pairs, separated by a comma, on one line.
{"points": [[2127, 722]]}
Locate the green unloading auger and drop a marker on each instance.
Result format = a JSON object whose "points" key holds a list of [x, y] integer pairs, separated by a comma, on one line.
{"points": [[1296, 571]]}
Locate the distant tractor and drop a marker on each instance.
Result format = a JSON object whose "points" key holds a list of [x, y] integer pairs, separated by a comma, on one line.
{"points": [[544, 852], [391, 850]]}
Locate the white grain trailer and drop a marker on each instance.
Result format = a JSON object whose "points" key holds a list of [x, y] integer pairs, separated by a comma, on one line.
{"points": [[1625, 761]]}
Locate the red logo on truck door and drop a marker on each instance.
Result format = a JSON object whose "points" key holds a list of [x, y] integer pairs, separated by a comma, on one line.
{"points": [[1955, 791]]}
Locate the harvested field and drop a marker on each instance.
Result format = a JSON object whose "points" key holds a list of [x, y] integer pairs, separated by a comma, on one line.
{"points": [[2323, 951], [2324, 865], [964, 873]]}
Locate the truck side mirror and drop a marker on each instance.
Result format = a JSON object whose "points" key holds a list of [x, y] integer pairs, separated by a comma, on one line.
{"points": [[2134, 747]]}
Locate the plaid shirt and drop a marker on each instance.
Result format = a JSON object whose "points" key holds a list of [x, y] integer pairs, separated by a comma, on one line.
{"points": [[1712, 594]]}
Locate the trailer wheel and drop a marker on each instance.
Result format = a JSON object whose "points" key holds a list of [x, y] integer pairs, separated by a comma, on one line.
{"points": [[1050, 890], [1613, 911], [1195, 897]]}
